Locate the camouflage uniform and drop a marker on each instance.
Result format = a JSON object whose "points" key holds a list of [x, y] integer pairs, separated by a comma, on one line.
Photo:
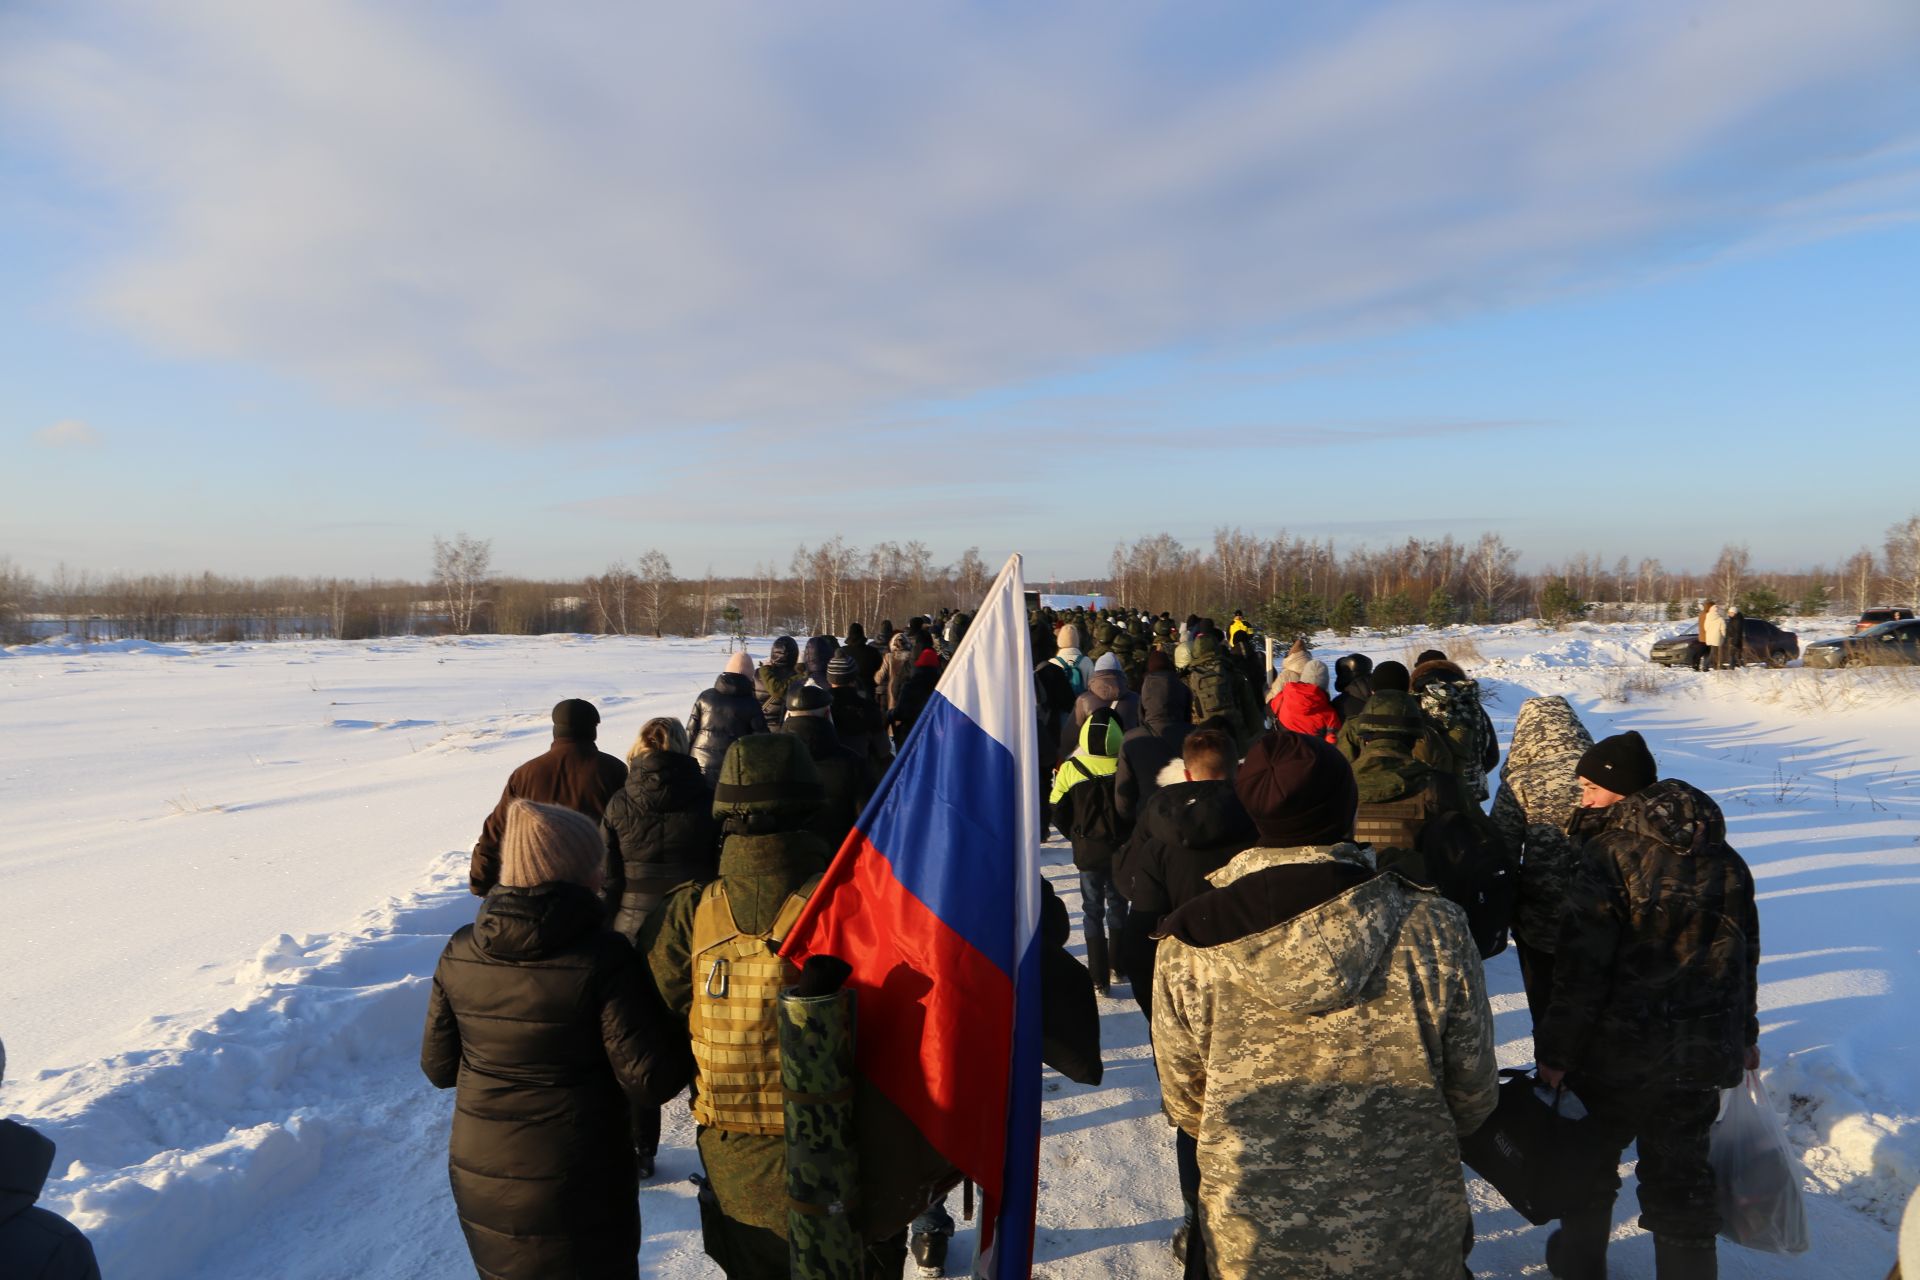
{"points": [[1326, 1064], [1654, 1002], [1537, 800]]}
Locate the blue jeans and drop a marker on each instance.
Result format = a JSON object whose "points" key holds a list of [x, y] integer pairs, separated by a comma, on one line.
{"points": [[936, 1220], [1097, 891]]}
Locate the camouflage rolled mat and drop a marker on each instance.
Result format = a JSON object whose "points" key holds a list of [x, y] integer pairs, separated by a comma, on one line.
{"points": [[816, 1072]]}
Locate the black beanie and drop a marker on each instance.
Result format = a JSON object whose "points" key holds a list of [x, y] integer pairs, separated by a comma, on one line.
{"points": [[1429, 655], [1622, 764], [1298, 790], [1392, 676], [575, 718]]}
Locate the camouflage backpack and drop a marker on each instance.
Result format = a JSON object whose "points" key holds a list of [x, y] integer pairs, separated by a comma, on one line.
{"points": [[1455, 706], [1413, 814]]}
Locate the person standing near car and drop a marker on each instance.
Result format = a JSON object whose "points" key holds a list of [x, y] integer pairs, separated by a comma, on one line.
{"points": [[1653, 1008], [1713, 634], [1736, 637]]}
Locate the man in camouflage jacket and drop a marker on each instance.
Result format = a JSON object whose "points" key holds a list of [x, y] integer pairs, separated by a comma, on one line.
{"points": [[1324, 1034], [1535, 810], [1654, 1002]]}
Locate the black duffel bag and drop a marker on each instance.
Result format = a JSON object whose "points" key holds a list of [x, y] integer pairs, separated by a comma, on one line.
{"points": [[1538, 1151]]}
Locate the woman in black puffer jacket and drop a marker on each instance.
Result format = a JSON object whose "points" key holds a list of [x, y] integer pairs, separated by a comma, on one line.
{"points": [[729, 710], [550, 1027], [659, 832]]}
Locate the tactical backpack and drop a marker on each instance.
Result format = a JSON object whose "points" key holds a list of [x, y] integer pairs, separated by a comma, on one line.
{"points": [[1411, 813], [1456, 707], [1214, 695], [736, 1041]]}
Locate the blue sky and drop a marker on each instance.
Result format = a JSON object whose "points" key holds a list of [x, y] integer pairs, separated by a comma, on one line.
{"points": [[293, 288]]}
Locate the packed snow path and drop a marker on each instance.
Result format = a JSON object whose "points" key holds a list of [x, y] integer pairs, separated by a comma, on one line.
{"points": [[230, 869]]}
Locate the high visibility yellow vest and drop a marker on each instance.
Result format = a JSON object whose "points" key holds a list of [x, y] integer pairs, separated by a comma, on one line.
{"points": [[736, 1040]]}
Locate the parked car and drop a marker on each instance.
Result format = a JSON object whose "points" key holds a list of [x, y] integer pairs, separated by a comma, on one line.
{"points": [[1882, 613], [1765, 643], [1889, 644]]}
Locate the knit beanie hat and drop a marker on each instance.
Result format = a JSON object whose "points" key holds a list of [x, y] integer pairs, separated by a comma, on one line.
{"points": [[1182, 655], [929, 657], [842, 666], [1107, 662], [1392, 676], [741, 663], [547, 842], [1157, 660], [1622, 764], [1298, 790], [1313, 671], [575, 718]]}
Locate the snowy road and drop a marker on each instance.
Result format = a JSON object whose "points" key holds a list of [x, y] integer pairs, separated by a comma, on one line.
{"points": [[229, 870]]}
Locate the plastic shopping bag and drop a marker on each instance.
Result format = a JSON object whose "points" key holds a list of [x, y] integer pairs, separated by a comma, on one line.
{"points": [[1755, 1174]]}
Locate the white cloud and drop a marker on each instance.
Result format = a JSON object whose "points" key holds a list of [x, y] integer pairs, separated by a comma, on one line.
{"points": [[602, 218], [70, 433]]}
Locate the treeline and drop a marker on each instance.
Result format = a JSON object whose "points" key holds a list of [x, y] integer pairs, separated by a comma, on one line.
{"points": [[1288, 584]]}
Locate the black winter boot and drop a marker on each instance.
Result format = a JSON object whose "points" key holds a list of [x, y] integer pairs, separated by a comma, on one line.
{"points": [[1685, 1260], [930, 1253], [1577, 1250], [1097, 962]]}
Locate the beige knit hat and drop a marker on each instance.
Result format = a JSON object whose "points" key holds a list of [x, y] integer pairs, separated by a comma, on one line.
{"points": [[741, 663], [547, 842]]}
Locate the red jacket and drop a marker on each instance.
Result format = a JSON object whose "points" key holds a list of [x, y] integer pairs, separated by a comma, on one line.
{"points": [[1304, 708]]}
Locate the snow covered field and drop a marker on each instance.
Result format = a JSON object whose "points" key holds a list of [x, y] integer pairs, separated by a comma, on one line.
{"points": [[229, 869]]}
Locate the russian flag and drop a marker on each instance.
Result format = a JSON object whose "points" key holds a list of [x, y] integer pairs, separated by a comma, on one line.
{"points": [[935, 901]]}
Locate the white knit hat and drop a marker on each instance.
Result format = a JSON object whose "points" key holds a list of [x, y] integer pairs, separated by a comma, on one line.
{"points": [[547, 842]]}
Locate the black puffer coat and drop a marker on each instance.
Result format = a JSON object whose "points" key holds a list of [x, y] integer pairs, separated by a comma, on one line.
{"points": [[774, 677], [33, 1241], [728, 711], [1656, 969], [660, 832], [550, 1028]]}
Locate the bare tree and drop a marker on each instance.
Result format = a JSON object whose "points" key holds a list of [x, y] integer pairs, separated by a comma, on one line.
{"points": [[1490, 569], [656, 588], [1729, 572], [1859, 579], [609, 595], [461, 570], [70, 589], [16, 597], [1903, 558], [970, 578]]}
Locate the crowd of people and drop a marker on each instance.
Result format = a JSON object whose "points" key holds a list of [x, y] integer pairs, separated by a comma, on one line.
{"points": [[1298, 889]]}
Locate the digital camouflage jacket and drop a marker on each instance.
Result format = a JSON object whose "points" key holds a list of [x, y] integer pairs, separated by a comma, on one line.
{"points": [[1533, 808], [1324, 1034]]}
